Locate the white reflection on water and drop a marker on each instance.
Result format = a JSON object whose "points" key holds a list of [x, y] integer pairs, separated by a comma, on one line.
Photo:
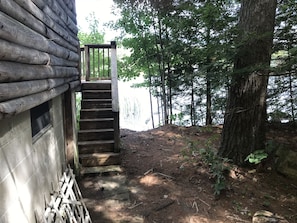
{"points": [[135, 106]]}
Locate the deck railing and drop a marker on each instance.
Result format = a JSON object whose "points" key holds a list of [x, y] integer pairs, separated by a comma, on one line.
{"points": [[96, 61]]}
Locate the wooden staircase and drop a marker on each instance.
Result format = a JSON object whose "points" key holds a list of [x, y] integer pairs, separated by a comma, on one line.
{"points": [[98, 135]]}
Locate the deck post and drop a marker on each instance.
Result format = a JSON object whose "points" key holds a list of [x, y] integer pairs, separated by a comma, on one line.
{"points": [[115, 96], [70, 129], [87, 62]]}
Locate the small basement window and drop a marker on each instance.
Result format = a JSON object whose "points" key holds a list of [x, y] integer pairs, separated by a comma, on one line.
{"points": [[40, 119]]}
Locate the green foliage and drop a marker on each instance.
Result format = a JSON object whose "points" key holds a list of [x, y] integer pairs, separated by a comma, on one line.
{"points": [[277, 115], [181, 48], [259, 156], [78, 107], [256, 157], [282, 89], [218, 166], [178, 118], [94, 34], [178, 48]]}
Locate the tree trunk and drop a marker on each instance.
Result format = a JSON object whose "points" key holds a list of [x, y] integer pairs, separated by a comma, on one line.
{"points": [[193, 115], [291, 97], [208, 102], [163, 75], [161, 66], [245, 115], [208, 82]]}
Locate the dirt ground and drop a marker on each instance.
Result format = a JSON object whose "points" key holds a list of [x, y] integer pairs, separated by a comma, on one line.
{"points": [[167, 181]]}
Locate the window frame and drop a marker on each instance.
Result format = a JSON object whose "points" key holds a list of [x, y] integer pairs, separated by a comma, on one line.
{"points": [[41, 120]]}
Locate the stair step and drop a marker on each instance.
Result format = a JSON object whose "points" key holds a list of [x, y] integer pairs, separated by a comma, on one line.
{"points": [[97, 91], [101, 169], [97, 85], [95, 134], [93, 94], [100, 159], [96, 113], [96, 103], [102, 123], [98, 146]]}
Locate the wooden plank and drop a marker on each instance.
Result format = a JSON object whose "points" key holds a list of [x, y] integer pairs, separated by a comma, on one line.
{"points": [[70, 130], [51, 26], [16, 106], [71, 16], [74, 84], [57, 14], [101, 169], [27, 55], [116, 131], [114, 78], [15, 11], [14, 31], [87, 63], [71, 5], [100, 159], [25, 88], [13, 72], [115, 97]]}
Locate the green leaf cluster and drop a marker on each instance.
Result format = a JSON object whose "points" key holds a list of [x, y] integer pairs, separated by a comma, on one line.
{"points": [[256, 157], [218, 166], [93, 35], [282, 89]]}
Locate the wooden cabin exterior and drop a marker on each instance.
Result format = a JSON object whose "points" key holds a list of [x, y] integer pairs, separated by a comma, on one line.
{"points": [[39, 72]]}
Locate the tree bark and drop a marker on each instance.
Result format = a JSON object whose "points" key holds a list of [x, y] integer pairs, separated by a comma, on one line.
{"points": [[244, 123]]}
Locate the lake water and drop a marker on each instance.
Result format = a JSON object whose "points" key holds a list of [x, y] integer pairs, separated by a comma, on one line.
{"points": [[135, 111]]}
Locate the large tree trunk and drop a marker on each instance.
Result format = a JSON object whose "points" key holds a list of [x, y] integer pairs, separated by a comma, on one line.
{"points": [[245, 115]]}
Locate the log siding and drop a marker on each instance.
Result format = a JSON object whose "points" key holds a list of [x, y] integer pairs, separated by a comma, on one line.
{"points": [[39, 56]]}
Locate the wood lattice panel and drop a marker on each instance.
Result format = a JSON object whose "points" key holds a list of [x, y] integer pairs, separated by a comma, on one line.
{"points": [[67, 205]]}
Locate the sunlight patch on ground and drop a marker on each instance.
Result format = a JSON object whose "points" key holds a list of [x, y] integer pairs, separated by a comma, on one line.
{"points": [[150, 180], [195, 219], [234, 174], [168, 134]]}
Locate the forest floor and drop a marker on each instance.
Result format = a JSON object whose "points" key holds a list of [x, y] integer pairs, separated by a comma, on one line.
{"points": [[167, 181]]}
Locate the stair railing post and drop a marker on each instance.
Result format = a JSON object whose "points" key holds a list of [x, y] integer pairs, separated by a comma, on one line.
{"points": [[87, 62], [115, 96]]}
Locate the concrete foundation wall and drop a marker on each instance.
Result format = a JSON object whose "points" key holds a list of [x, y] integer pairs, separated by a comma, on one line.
{"points": [[30, 170]]}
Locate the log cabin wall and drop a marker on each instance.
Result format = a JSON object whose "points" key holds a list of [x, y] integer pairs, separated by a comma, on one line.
{"points": [[39, 63], [38, 52]]}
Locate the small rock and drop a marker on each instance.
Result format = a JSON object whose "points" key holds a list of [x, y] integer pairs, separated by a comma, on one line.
{"points": [[268, 217]]}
